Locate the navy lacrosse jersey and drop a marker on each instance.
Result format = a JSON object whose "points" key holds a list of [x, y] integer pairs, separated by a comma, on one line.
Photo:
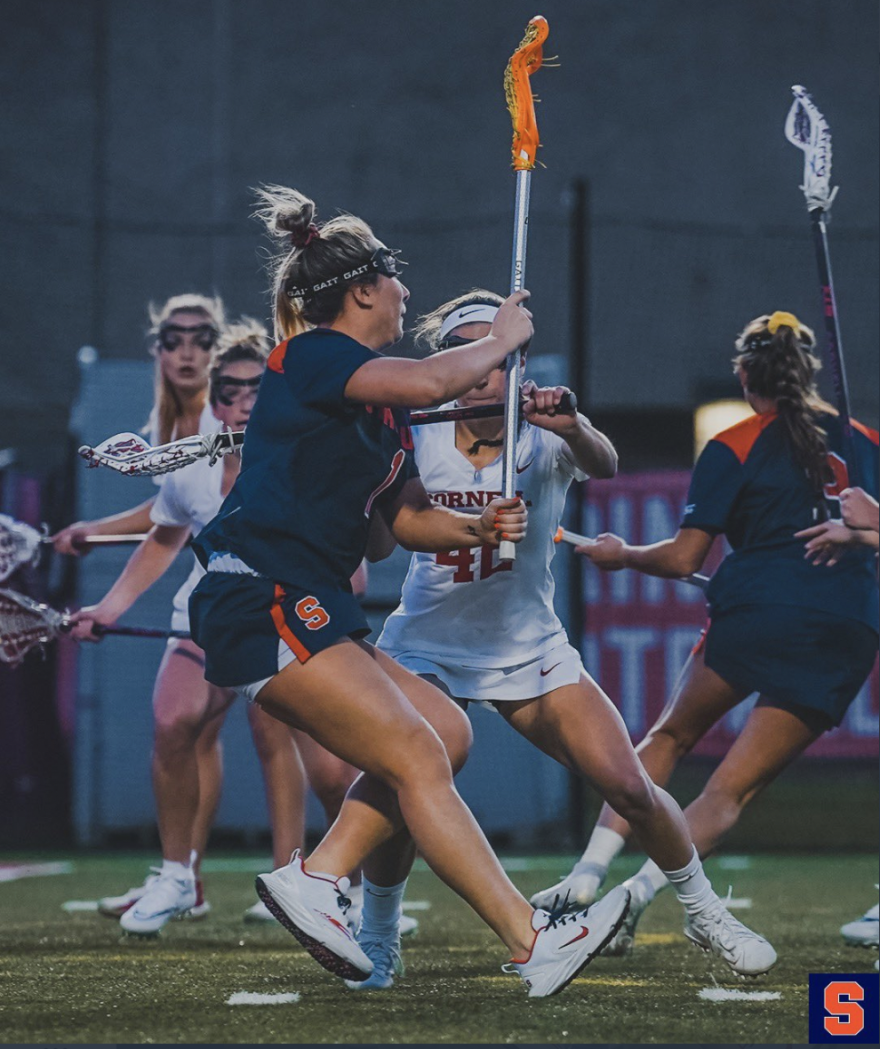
{"points": [[313, 465], [747, 486]]}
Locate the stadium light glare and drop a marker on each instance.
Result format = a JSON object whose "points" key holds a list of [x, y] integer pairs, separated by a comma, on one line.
{"points": [[714, 416]]}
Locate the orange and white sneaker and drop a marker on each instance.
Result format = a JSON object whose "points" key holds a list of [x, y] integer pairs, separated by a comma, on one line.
{"points": [[565, 943], [313, 907]]}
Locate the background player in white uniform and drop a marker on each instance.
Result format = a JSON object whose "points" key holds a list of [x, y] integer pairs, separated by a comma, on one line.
{"points": [[188, 711], [448, 628]]}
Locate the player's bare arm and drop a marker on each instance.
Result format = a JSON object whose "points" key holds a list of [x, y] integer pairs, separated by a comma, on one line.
{"points": [[149, 562], [682, 555], [590, 449], [399, 382], [417, 524]]}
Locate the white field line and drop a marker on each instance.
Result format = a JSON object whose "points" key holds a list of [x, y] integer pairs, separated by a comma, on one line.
{"points": [[72, 906], [738, 903], [245, 865], [722, 994], [416, 905], [15, 871], [251, 998]]}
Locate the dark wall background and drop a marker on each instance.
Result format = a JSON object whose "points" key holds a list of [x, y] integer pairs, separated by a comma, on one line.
{"points": [[133, 129]]}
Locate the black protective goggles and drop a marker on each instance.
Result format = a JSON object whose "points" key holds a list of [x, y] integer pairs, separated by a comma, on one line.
{"points": [[384, 261], [227, 390], [170, 336]]}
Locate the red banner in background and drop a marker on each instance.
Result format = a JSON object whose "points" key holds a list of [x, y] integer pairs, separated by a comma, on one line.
{"points": [[639, 630]]}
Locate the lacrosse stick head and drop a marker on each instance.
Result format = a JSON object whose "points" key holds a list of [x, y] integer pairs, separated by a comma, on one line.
{"points": [[517, 90], [806, 128], [19, 545], [25, 624], [129, 454]]}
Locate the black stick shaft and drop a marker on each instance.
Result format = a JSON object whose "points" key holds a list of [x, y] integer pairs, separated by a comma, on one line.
{"points": [[834, 347], [481, 411], [138, 631]]}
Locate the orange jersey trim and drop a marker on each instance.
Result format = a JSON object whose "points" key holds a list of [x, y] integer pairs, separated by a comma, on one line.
{"points": [[741, 437], [284, 632], [275, 362], [866, 431]]}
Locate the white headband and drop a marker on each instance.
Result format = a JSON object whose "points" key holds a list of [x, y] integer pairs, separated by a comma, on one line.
{"points": [[476, 313]]}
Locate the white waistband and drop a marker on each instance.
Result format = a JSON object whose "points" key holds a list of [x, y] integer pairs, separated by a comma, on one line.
{"points": [[218, 562]]}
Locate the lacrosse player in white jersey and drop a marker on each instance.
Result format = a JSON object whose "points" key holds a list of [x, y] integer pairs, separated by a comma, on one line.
{"points": [[188, 712], [486, 631]]}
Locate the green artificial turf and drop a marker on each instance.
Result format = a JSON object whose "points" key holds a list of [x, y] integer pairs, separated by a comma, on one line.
{"points": [[71, 978]]}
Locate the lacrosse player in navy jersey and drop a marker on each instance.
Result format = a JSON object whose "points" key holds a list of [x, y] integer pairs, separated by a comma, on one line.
{"points": [[802, 634], [327, 446]]}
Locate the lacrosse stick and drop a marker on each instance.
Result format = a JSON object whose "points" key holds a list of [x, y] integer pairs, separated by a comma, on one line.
{"points": [[132, 456], [25, 623], [20, 544], [564, 536], [523, 63], [568, 403], [129, 454], [806, 128]]}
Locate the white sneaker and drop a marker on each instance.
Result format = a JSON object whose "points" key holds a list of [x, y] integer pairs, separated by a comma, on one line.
{"points": [[716, 930], [621, 944], [168, 897], [576, 890], [201, 908], [565, 944], [259, 912], [384, 953], [116, 906], [864, 931], [355, 895], [313, 908], [408, 926]]}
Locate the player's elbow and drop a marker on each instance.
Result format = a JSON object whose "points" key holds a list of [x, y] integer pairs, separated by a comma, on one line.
{"points": [[686, 562], [607, 467]]}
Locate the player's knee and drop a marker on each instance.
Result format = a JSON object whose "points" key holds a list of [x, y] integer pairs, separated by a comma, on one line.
{"points": [[458, 737], [330, 785], [633, 797], [420, 762], [174, 732], [674, 736]]}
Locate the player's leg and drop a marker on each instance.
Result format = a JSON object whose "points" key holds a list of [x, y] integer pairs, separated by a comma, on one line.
{"points": [[209, 757], [345, 700], [770, 741], [328, 776], [386, 870], [700, 699], [181, 709], [284, 780], [580, 727]]}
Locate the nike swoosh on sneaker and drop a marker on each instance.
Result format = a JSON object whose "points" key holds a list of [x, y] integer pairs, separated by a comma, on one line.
{"points": [[520, 469], [584, 932], [544, 673]]}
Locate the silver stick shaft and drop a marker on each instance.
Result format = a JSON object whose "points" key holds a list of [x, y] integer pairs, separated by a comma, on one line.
{"points": [[563, 535], [513, 380]]}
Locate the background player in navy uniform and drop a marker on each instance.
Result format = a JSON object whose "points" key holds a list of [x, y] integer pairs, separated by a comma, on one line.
{"points": [[804, 637], [276, 617]]}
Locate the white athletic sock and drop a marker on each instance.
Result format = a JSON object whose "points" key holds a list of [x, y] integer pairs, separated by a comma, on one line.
{"points": [[692, 886], [383, 906], [645, 885], [603, 847], [177, 870]]}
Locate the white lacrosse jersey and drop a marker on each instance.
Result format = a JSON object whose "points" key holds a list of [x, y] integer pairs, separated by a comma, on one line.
{"points": [[465, 606], [208, 423], [190, 497]]}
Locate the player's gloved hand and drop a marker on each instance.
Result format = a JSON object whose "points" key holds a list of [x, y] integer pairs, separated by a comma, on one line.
{"points": [[607, 552], [503, 519], [858, 509], [541, 408], [826, 542], [71, 540], [512, 326], [84, 621]]}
